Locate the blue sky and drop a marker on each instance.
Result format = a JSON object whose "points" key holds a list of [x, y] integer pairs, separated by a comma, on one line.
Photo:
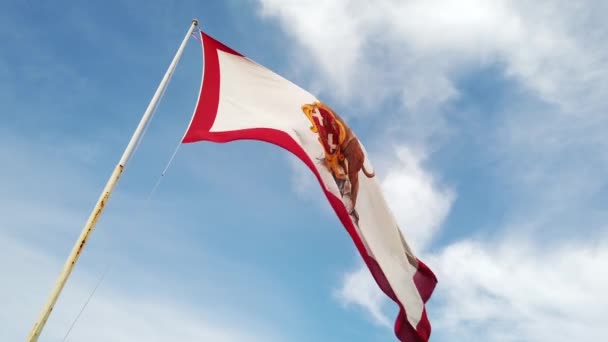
{"points": [[486, 121]]}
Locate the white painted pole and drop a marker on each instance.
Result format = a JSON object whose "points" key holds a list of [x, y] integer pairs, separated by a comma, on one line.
{"points": [[105, 195]]}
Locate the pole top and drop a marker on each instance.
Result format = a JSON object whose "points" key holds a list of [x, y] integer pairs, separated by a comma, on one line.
{"points": [[195, 22]]}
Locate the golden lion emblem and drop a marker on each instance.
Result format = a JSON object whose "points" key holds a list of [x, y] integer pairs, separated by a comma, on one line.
{"points": [[344, 157]]}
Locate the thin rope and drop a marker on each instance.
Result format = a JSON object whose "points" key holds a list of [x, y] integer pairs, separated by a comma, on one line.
{"points": [[160, 178], [196, 36], [144, 205], [110, 265], [85, 304]]}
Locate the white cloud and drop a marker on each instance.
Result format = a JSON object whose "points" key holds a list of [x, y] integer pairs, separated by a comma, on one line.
{"points": [[337, 60], [516, 289], [419, 203], [416, 48]]}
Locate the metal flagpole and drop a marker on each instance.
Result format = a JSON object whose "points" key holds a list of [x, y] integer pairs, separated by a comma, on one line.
{"points": [[105, 195]]}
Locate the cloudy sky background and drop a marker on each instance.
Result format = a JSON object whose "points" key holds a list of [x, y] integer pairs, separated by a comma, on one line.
{"points": [[486, 121]]}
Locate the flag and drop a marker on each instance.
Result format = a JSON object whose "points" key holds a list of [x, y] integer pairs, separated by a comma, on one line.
{"points": [[241, 99]]}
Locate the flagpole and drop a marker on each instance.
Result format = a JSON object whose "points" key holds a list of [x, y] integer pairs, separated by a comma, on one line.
{"points": [[105, 195]]}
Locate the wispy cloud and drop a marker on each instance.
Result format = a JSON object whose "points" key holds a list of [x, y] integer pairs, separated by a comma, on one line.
{"points": [[419, 201], [424, 43], [360, 289], [543, 149], [115, 314], [512, 288]]}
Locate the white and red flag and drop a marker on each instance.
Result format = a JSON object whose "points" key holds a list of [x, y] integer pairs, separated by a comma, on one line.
{"points": [[240, 99]]}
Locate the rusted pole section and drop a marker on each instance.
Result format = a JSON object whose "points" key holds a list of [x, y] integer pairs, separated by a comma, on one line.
{"points": [[105, 195]]}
